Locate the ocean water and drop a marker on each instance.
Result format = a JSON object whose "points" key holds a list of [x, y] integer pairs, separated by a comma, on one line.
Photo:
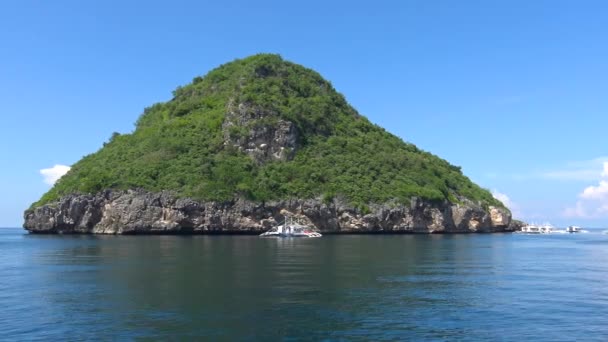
{"points": [[359, 287]]}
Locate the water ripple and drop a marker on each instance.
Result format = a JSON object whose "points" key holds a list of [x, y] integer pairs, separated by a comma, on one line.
{"points": [[466, 287]]}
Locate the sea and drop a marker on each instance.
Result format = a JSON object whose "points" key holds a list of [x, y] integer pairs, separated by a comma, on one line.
{"points": [[470, 287]]}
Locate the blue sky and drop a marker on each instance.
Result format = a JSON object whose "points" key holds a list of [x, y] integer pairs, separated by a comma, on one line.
{"points": [[512, 91]]}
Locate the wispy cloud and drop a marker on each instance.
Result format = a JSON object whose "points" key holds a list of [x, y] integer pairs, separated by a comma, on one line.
{"points": [[52, 175], [569, 175], [593, 200], [506, 200], [586, 170], [578, 211], [581, 171], [503, 198]]}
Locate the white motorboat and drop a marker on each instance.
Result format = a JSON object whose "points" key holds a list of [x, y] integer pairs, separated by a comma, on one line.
{"points": [[573, 229], [531, 229], [546, 228], [291, 228]]}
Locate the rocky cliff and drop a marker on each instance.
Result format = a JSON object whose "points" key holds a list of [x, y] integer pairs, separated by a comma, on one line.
{"points": [[142, 212]]}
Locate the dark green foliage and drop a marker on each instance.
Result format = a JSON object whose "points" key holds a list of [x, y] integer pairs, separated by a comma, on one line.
{"points": [[179, 146]]}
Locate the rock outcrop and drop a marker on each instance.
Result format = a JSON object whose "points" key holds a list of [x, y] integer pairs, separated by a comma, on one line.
{"points": [[142, 212], [259, 134], [516, 225]]}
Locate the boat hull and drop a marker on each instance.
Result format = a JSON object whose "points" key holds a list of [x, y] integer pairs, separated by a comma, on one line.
{"points": [[283, 235], [291, 229]]}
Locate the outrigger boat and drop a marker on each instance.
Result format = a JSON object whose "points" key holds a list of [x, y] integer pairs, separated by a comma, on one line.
{"points": [[291, 228], [573, 229], [531, 229], [546, 228]]}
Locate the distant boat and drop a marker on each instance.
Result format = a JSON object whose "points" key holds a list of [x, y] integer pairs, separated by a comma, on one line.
{"points": [[546, 228], [291, 228], [531, 229], [573, 229]]}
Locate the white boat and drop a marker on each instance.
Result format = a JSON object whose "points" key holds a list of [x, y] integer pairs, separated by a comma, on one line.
{"points": [[531, 229], [546, 228], [573, 229], [291, 228]]}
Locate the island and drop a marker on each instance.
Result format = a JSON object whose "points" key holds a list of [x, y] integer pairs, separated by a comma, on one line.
{"points": [[255, 138]]}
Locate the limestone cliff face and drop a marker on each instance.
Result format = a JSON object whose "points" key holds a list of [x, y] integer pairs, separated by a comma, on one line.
{"points": [[142, 212], [271, 140]]}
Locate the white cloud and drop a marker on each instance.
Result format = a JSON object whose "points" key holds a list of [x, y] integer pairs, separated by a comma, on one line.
{"points": [[596, 192], [503, 198], [506, 200], [588, 163], [586, 170], [582, 170], [51, 175], [577, 211], [593, 201], [570, 175]]}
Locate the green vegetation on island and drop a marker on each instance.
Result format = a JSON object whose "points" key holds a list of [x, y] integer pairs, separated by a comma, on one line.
{"points": [[185, 146]]}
